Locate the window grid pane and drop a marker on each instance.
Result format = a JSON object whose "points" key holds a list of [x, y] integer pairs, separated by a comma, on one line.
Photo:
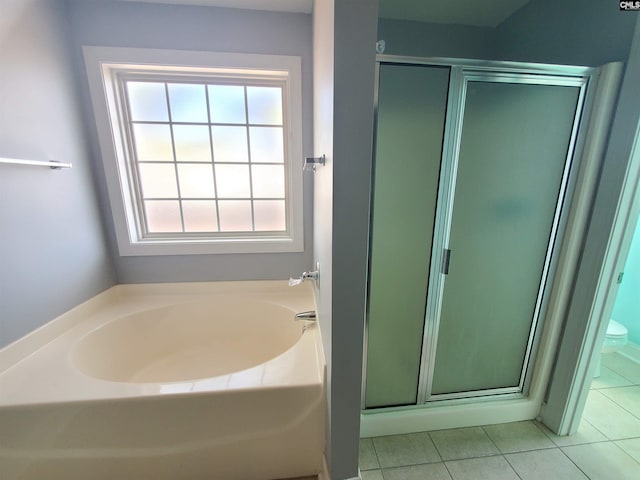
{"points": [[231, 145]]}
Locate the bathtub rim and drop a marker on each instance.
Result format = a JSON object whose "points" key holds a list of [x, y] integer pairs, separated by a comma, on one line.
{"points": [[21, 348], [20, 354]]}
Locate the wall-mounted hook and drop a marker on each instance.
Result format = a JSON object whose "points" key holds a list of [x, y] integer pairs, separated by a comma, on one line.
{"points": [[310, 163]]}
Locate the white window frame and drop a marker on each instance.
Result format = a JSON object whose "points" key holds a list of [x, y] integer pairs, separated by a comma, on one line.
{"points": [[103, 64]]}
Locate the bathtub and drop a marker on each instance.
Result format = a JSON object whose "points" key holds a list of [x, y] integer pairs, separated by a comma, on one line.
{"points": [[168, 381]]}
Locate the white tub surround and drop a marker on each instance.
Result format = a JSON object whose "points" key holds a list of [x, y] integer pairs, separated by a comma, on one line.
{"points": [[200, 380]]}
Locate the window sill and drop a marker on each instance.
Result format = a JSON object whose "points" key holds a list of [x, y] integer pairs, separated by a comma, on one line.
{"points": [[210, 247]]}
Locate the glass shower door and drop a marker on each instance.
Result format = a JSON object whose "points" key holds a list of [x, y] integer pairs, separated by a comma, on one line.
{"points": [[472, 166], [410, 128], [512, 166]]}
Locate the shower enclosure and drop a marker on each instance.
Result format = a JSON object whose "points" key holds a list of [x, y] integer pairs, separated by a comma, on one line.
{"points": [[474, 163]]}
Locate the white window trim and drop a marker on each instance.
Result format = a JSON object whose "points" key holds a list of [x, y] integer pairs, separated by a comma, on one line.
{"points": [[102, 62]]}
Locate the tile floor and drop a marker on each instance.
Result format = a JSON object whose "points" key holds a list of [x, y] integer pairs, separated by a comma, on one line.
{"points": [[606, 447]]}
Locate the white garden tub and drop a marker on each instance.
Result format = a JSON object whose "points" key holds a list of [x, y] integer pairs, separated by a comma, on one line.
{"points": [[167, 381]]}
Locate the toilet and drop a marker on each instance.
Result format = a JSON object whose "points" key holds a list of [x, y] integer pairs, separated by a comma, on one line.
{"points": [[615, 338]]}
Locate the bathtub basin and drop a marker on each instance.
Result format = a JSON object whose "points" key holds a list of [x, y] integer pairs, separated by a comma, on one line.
{"points": [[194, 381], [187, 341]]}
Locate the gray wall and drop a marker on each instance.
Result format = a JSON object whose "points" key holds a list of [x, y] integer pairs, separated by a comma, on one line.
{"points": [[344, 75], [125, 24], [421, 39], [323, 98], [593, 268], [574, 32], [53, 254]]}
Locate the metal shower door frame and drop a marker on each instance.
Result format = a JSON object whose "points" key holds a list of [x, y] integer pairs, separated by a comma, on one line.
{"points": [[461, 73], [461, 76]]}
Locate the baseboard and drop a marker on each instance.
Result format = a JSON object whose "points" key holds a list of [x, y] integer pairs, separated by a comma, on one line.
{"points": [[324, 474], [631, 351], [425, 419]]}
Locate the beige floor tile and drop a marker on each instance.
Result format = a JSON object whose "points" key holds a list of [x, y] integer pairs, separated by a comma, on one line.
{"points": [[627, 397], [544, 465], [494, 468], [403, 450], [462, 443], [608, 378], [622, 366], [603, 461], [631, 446], [608, 417], [430, 471], [367, 459], [371, 475], [518, 437], [631, 351], [586, 433]]}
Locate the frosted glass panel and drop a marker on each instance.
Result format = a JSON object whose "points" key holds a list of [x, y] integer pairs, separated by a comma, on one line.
{"points": [[514, 144], [153, 142], [163, 216], [265, 105], [268, 181], [269, 215], [226, 103], [196, 181], [235, 216], [199, 216], [147, 101], [188, 103], [267, 144], [411, 113], [233, 181], [192, 143], [158, 180], [229, 144]]}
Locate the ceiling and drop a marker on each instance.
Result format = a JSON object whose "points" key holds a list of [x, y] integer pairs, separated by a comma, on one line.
{"points": [[302, 6], [482, 13]]}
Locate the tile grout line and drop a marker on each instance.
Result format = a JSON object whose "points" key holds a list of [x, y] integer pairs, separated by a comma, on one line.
{"points": [[604, 434], [435, 446], [596, 429], [446, 467], [538, 426], [618, 373], [490, 439], [442, 460], [624, 452], [613, 400], [558, 447], [375, 452], [512, 467], [574, 463]]}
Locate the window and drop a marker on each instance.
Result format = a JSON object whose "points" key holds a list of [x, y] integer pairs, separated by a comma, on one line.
{"points": [[201, 150]]}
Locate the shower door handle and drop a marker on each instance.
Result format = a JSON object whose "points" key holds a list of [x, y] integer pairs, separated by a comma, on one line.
{"points": [[446, 258]]}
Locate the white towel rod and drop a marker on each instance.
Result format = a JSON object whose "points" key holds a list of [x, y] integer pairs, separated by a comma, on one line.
{"points": [[40, 163]]}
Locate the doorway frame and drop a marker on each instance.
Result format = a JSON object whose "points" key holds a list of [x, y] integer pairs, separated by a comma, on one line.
{"points": [[487, 410], [604, 252]]}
